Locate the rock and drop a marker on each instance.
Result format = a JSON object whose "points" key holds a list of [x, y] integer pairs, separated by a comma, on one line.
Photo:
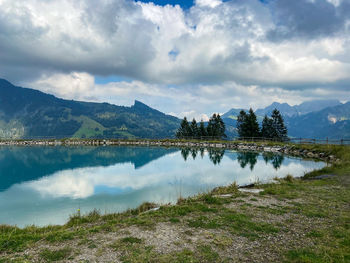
{"points": [[323, 176], [250, 190], [310, 154]]}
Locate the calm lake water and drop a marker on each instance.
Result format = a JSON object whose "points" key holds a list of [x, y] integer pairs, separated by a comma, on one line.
{"points": [[45, 185]]}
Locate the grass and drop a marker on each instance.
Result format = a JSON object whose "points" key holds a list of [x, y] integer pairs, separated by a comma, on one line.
{"points": [[309, 221], [55, 255]]}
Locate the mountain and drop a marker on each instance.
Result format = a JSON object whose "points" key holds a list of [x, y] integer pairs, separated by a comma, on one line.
{"points": [[284, 108], [310, 119], [28, 113], [316, 105], [232, 114], [301, 109], [332, 122]]}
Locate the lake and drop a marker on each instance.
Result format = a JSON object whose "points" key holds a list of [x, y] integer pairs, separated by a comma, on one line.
{"points": [[45, 185]]}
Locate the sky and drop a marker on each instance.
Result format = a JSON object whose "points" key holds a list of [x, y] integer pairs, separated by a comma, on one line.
{"points": [[185, 58]]}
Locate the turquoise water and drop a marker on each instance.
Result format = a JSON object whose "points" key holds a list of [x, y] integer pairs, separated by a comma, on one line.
{"points": [[45, 185]]}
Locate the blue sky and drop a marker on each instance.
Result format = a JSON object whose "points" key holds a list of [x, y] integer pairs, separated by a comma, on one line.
{"points": [[190, 59], [184, 4]]}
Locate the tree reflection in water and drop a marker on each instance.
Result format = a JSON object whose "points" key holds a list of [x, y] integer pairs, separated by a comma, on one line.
{"points": [[194, 153], [245, 158], [215, 155], [275, 159], [185, 152]]}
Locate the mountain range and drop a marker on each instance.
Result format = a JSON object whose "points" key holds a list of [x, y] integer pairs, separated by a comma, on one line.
{"points": [[311, 119], [29, 113]]}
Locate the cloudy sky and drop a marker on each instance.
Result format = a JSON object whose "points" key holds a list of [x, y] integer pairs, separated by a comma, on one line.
{"points": [[181, 57]]}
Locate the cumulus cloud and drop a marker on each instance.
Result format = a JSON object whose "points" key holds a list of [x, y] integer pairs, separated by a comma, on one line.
{"points": [[236, 48]]}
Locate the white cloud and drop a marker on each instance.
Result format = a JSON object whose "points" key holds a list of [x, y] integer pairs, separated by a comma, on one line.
{"points": [[178, 61], [210, 3]]}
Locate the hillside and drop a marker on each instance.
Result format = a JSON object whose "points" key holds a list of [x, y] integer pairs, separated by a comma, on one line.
{"points": [[28, 113], [332, 122]]}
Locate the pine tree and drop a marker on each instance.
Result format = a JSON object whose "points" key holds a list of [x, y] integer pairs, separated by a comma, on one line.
{"points": [[241, 123], [278, 125], [194, 128], [185, 130], [202, 131], [216, 127], [211, 126], [220, 126], [247, 124], [267, 130], [252, 125]]}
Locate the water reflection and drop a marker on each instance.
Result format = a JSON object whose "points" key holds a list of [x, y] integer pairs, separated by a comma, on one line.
{"points": [[19, 164], [275, 159], [243, 158], [215, 155], [46, 189]]}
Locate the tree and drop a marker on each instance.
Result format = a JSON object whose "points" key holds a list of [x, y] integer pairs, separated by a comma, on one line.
{"points": [[247, 124], [194, 128], [220, 126], [211, 126], [241, 123], [253, 129], [267, 129], [184, 130], [216, 127], [202, 131], [278, 125]]}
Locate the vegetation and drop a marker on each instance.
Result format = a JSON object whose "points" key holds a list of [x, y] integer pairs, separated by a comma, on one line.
{"points": [[215, 129], [272, 128], [46, 116], [296, 220]]}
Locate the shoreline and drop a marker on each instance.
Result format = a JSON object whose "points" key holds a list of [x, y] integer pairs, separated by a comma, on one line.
{"points": [[298, 150]]}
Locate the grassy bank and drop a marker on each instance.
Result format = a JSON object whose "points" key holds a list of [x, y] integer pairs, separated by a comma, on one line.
{"points": [[294, 220]]}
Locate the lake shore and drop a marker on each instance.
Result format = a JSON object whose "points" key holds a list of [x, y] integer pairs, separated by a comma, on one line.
{"points": [[294, 220], [287, 148]]}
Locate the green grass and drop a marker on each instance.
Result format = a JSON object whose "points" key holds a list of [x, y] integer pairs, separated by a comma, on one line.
{"points": [[55, 255]]}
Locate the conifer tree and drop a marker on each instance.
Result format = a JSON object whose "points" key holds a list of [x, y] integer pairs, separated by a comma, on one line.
{"points": [[278, 125], [202, 131], [253, 129], [247, 124], [184, 131], [211, 126], [194, 128], [267, 130], [216, 127], [220, 126], [241, 123]]}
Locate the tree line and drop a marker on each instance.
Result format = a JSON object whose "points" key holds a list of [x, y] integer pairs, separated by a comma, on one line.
{"points": [[272, 127], [214, 129]]}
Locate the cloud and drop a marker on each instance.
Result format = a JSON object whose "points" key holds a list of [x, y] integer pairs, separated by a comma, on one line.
{"points": [[234, 52], [198, 101], [307, 19]]}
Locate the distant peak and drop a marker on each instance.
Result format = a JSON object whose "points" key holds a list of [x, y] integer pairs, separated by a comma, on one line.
{"points": [[138, 103], [5, 83]]}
